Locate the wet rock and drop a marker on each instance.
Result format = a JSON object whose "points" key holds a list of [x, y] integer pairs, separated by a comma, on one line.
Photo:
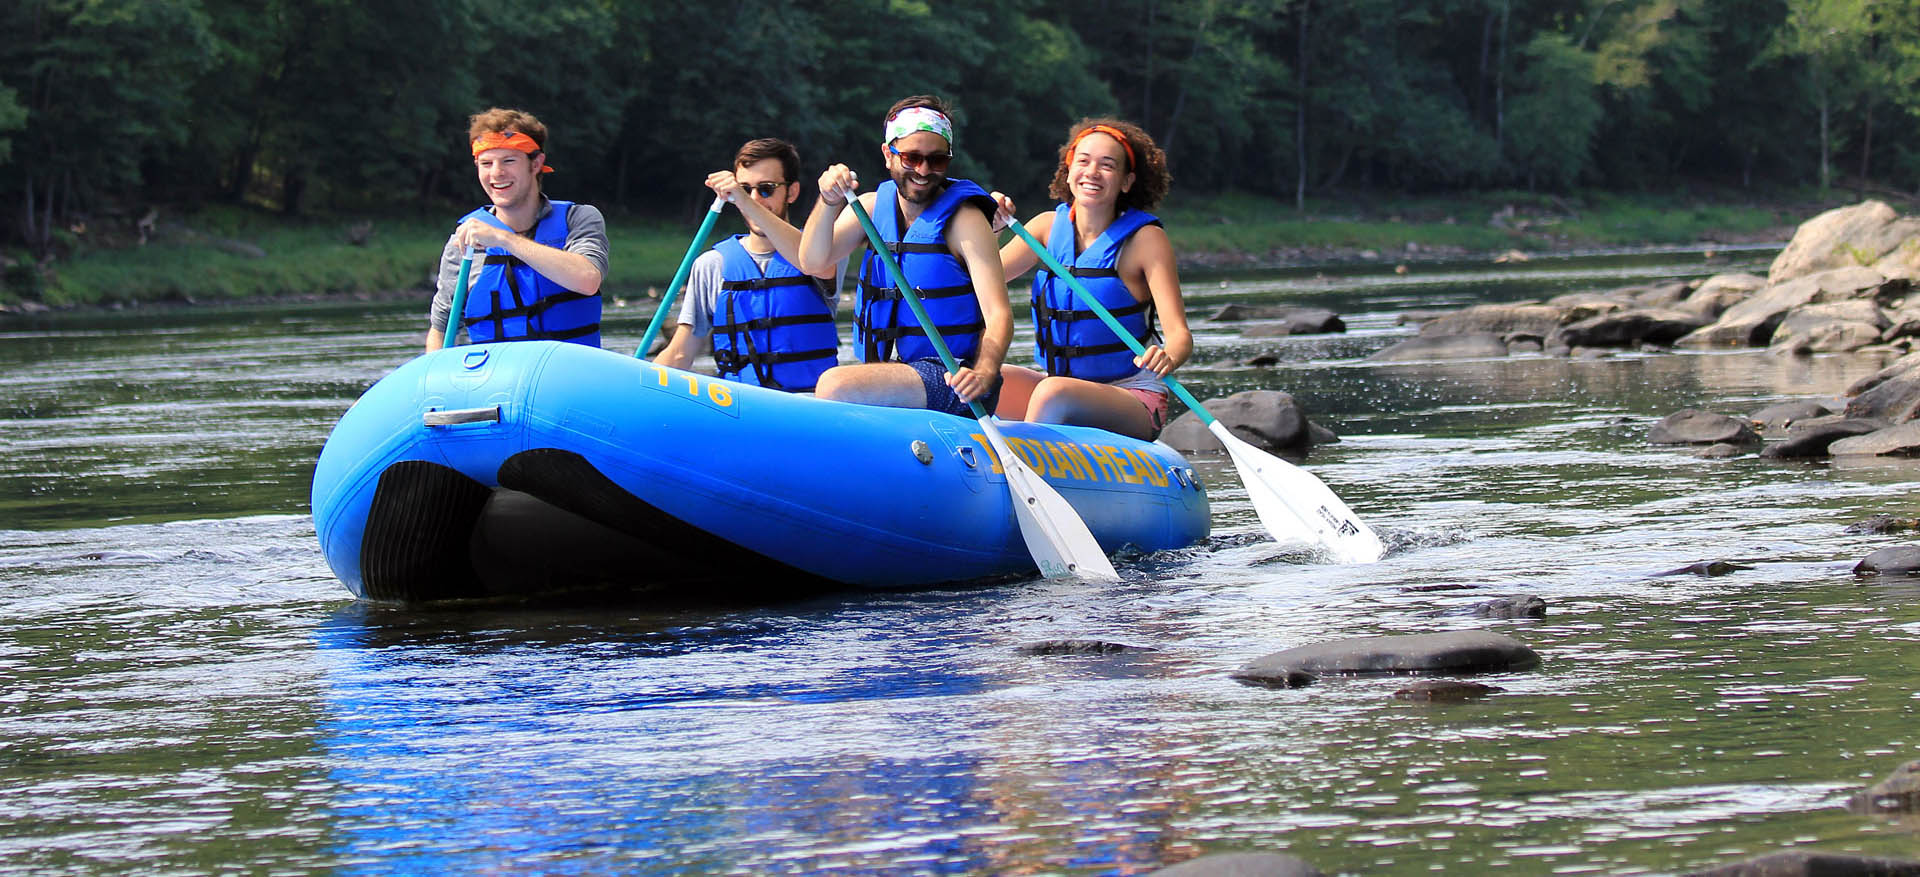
{"points": [[1691, 426], [1500, 319], [1267, 419], [1466, 651], [1660, 295], [1445, 690], [1751, 323], [1510, 607], [1901, 441], [1077, 647], [1720, 451], [1525, 345], [1843, 236], [1830, 328], [1897, 368], [1896, 400], [1898, 560], [1785, 414], [1719, 293], [1812, 438], [1707, 568], [1898, 793], [1879, 524], [1263, 360], [1800, 863], [1300, 321], [1627, 328], [1479, 345], [1241, 865], [1582, 306]]}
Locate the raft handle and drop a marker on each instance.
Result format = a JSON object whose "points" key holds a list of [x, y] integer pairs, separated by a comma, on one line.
{"points": [[460, 416], [966, 456]]}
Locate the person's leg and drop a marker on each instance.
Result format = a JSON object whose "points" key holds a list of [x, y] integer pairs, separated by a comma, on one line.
{"points": [[892, 384], [1014, 393], [1085, 403]]}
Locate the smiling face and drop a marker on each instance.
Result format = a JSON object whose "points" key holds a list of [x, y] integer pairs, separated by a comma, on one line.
{"points": [[509, 176], [1097, 171], [917, 183]]}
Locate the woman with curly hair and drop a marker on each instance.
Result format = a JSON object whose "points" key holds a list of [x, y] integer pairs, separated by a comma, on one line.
{"points": [[1110, 173]]}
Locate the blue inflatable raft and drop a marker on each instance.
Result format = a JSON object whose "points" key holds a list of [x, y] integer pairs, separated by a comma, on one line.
{"points": [[510, 470]]}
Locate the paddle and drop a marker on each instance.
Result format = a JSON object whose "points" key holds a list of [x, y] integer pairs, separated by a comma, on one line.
{"points": [[459, 299], [1291, 502], [1059, 541], [680, 276]]}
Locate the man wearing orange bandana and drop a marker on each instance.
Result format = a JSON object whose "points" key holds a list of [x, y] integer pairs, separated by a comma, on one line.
{"points": [[544, 259]]}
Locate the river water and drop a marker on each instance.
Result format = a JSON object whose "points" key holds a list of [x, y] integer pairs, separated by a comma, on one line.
{"points": [[185, 689]]}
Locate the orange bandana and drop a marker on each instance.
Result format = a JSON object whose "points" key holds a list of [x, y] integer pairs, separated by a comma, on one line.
{"points": [[516, 141], [1110, 131]]}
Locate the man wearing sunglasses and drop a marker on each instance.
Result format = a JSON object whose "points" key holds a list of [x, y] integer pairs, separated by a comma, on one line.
{"points": [[940, 230], [544, 259], [771, 323]]}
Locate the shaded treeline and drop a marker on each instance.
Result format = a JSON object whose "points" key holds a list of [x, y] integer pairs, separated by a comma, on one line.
{"points": [[305, 105]]}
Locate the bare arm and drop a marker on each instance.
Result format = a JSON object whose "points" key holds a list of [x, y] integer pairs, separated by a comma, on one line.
{"points": [[1016, 258], [1149, 257], [832, 232], [970, 238], [784, 237], [680, 349]]}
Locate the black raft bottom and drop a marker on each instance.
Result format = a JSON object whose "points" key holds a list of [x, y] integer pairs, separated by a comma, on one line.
{"points": [[555, 527]]}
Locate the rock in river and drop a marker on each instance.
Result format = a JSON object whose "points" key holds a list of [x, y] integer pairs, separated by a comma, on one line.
{"points": [[1462, 651], [1692, 426], [1899, 560]]}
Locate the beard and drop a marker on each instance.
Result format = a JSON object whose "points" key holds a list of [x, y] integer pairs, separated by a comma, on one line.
{"points": [[935, 182]]}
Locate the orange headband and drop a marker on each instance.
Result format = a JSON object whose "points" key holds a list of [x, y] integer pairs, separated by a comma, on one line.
{"points": [[1110, 131], [509, 140]]}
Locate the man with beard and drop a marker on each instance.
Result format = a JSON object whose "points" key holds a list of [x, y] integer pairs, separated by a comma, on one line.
{"points": [[940, 230], [771, 323], [544, 259]]}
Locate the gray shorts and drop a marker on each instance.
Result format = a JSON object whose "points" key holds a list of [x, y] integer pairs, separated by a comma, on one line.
{"points": [[940, 397]]}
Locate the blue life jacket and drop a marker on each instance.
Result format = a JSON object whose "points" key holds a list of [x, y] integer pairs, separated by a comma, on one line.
{"points": [[1069, 338], [885, 328], [509, 301], [773, 329]]}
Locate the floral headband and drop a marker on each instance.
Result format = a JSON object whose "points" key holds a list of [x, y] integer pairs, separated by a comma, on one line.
{"points": [[914, 119]]}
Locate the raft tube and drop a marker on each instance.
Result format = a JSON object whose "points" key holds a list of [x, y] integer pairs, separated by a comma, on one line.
{"points": [[510, 470]]}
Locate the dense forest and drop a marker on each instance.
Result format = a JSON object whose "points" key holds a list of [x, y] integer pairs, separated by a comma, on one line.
{"points": [[107, 106]]}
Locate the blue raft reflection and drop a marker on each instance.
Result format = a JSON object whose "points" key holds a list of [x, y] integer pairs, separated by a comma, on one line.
{"points": [[694, 742]]}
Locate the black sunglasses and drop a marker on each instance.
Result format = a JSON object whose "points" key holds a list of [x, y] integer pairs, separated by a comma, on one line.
{"points": [[764, 190], [936, 162]]}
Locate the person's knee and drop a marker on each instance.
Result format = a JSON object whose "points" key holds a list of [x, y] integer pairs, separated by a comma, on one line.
{"points": [[832, 384]]}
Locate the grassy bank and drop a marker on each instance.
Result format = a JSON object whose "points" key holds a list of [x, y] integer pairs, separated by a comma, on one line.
{"points": [[228, 254]]}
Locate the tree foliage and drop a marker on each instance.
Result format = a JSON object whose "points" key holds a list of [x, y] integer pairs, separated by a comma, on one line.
{"points": [[302, 105]]}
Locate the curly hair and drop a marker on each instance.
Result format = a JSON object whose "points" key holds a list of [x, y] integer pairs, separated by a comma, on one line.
{"points": [[1150, 177], [499, 119]]}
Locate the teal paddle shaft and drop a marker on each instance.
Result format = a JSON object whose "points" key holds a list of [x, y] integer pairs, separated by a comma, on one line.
{"points": [[906, 291], [1106, 316], [459, 301], [680, 277]]}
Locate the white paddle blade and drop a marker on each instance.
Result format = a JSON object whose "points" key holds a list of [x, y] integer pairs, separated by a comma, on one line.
{"points": [[1061, 544], [1296, 506]]}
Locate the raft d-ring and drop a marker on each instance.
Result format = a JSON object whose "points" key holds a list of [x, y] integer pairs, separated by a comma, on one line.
{"points": [[474, 359], [966, 456], [922, 453]]}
